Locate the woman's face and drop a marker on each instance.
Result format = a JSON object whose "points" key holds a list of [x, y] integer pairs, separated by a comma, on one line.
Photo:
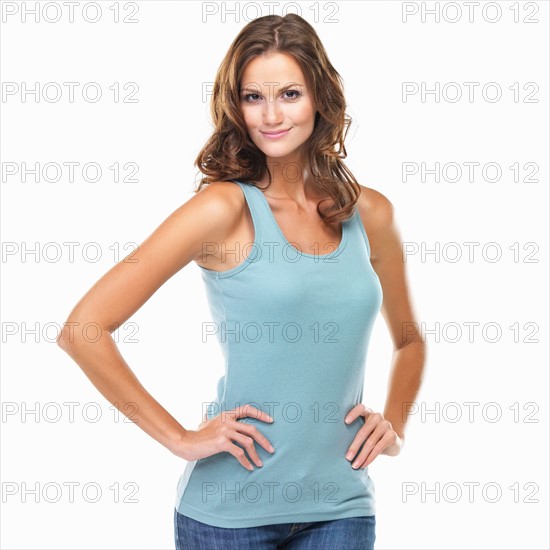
{"points": [[277, 107]]}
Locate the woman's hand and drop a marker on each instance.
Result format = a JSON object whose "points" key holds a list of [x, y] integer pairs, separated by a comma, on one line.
{"points": [[217, 435], [378, 434]]}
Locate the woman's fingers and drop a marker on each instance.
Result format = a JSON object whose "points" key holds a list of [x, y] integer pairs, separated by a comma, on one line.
{"points": [[253, 432], [358, 410], [372, 439], [248, 443], [248, 410], [240, 455], [363, 433], [380, 438], [386, 440], [245, 434]]}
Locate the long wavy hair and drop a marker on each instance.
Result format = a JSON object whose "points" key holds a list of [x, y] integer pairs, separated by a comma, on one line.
{"points": [[230, 153]]}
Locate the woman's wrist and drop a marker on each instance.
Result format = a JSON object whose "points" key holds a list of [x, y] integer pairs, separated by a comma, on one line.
{"points": [[178, 443]]}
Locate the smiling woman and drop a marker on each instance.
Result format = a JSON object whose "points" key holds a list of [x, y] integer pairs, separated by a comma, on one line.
{"points": [[280, 123], [294, 326], [279, 120]]}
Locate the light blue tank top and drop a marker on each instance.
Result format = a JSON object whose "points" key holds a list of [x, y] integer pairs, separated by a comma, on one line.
{"points": [[294, 329]]}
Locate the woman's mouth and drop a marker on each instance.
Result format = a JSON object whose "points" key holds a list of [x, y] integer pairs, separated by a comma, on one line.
{"points": [[276, 135]]}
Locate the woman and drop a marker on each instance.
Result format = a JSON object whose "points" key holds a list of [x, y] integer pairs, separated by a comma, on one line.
{"points": [[294, 326]]}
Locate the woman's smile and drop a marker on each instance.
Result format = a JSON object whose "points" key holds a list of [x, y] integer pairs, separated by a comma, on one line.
{"points": [[277, 134]]}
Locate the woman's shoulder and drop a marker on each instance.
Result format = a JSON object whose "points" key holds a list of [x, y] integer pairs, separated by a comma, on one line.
{"points": [[224, 198], [220, 219], [222, 190], [376, 210], [217, 209], [378, 217]]}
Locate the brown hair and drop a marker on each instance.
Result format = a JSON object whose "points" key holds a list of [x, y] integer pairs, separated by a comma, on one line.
{"points": [[230, 154]]}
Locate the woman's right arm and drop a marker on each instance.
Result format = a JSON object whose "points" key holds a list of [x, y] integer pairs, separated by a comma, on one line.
{"points": [[207, 217]]}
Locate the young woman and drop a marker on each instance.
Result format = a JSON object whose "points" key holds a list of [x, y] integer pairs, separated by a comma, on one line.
{"points": [[297, 259]]}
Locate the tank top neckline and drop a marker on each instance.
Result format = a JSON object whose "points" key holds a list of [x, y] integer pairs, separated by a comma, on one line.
{"points": [[338, 250]]}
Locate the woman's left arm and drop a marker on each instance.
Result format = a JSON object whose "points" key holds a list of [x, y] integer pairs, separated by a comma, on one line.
{"points": [[385, 433]]}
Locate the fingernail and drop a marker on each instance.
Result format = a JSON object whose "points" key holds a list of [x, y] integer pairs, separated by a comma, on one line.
{"points": [[271, 449], [347, 419], [260, 463], [349, 456]]}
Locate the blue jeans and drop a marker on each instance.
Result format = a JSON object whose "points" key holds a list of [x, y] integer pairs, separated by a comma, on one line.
{"points": [[357, 533]]}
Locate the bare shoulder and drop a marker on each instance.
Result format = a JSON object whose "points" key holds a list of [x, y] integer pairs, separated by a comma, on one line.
{"points": [[378, 215], [375, 208], [223, 217], [222, 199], [219, 208]]}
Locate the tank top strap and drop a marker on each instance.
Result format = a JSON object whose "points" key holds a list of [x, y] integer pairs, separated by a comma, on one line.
{"points": [[358, 234], [354, 235], [264, 224]]}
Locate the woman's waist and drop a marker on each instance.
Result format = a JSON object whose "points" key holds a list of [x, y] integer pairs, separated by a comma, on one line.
{"points": [[304, 433], [314, 470]]}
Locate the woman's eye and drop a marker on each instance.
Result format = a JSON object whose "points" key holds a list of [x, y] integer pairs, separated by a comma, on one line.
{"points": [[247, 96], [293, 92]]}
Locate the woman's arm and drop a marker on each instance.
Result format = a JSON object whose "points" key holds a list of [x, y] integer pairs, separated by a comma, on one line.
{"points": [[385, 433], [208, 217], [409, 349]]}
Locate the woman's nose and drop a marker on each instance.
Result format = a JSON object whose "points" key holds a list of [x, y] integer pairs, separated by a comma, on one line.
{"points": [[272, 112]]}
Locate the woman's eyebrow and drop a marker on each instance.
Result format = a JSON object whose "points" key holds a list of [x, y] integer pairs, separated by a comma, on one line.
{"points": [[286, 87]]}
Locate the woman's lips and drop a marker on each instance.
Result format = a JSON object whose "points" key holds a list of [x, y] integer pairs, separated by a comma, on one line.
{"points": [[276, 135]]}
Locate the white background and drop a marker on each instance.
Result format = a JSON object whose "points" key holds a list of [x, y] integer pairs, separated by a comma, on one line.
{"points": [[171, 53]]}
